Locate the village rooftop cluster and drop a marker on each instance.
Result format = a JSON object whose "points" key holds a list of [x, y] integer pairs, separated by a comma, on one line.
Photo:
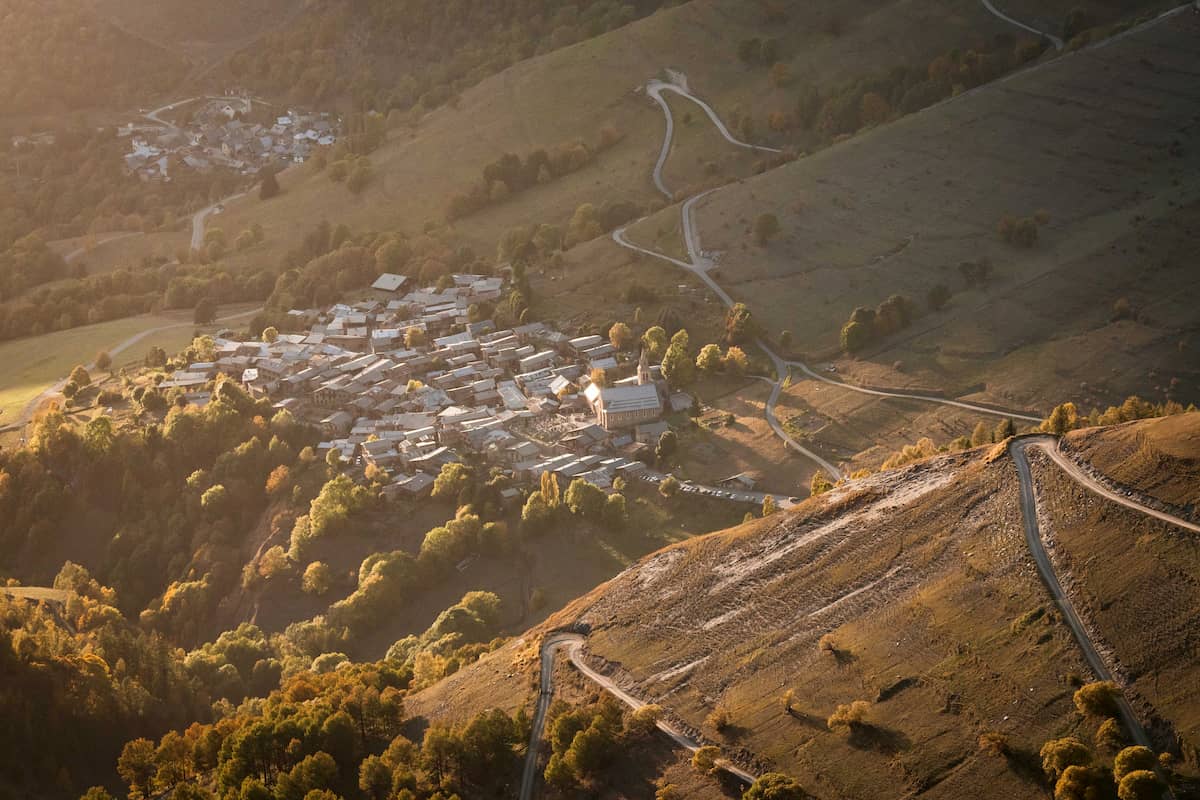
{"points": [[218, 136], [405, 381]]}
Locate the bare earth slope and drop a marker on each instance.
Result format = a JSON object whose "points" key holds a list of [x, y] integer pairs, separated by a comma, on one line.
{"points": [[917, 575], [912, 590]]}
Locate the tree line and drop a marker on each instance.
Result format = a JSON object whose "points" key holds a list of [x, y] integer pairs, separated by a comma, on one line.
{"points": [[60, 57], [510, 174]]}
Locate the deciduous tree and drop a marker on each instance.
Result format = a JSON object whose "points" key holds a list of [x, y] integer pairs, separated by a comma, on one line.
{"points": [[620, 335]]}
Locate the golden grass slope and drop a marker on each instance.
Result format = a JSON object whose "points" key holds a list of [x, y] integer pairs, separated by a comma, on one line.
{"points": [[30, 366], [1160, 457], [1092, 139], [575, 91]]}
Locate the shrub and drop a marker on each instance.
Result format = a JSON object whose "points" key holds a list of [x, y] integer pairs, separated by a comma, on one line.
{"points": [[1110, 736], [775, 786], [317, 578], [1122, 309], [820, 484], [1132, 759], [849, 717], [718, 718], [1058, 754], [1140, 785], [1022, 232], [1098, 699], [994, 743], [705, 759], [667, 791], [669, 487], [1026, 233]]}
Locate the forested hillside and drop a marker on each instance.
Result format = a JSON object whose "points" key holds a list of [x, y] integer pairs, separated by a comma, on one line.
{"points": [[397, 55], [59, 57]]}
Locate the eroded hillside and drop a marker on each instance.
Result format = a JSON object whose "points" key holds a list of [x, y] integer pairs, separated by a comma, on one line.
{"points": [[916, 577], [914, 591]]}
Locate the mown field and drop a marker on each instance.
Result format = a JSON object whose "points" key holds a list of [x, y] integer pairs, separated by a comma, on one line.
{"points": [[33, 365]]}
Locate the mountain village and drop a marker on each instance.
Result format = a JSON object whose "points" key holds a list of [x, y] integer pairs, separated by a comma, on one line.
{"points": [[221, 134], [405, 383]]}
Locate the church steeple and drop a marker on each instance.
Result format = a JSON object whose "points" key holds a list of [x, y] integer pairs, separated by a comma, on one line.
{"points": [[643, 372]]}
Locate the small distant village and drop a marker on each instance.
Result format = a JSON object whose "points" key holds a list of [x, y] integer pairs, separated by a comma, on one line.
{"points": [[220, 134], [406, 382]]}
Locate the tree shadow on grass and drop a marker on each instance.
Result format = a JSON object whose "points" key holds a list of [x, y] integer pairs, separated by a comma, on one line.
{"points": [[809, 720], [733, 732], [865, 736], [844, 658], [731, 785], [1025, 763]]}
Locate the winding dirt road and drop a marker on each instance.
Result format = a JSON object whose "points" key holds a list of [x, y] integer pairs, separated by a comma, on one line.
{"points": [[699, 264], [654, 90], [1048, 445], [573, 644], [200, 218], [105, 239], [1033, 539], [1054, 40]]}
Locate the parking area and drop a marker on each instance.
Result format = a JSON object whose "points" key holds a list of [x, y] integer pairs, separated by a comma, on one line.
{"points": [[732, 495]]}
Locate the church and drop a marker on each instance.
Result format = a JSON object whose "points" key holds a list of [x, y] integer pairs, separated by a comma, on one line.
{"points": [[630, 402]]}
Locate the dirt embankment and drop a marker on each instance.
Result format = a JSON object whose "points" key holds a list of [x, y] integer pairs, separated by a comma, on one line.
{"points": [[1158, 458]]}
